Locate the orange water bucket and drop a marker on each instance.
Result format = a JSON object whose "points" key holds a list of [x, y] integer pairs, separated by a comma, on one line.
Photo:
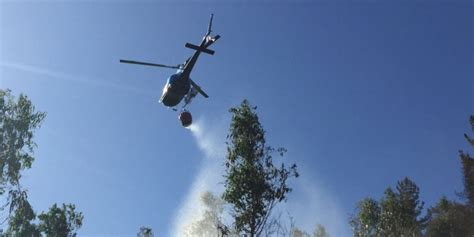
{"points": [[185, 118]]}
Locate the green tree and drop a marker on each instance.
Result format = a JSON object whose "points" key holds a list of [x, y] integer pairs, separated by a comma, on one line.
{"points": [[450, 219], [320, 231], [401, 211], [299, 233], [18, 120], [397, 214], [389, 214], [253, 184], [410, 220], [145, 232], [468, 168], [61, 222], [367, 220], [21, 222], [210, 223]]}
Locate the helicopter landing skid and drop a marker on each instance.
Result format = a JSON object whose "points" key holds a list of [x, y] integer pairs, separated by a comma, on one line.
{"points": [[189, 97]]}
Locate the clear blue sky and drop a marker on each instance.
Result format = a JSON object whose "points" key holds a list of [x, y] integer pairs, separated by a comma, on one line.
{"points": [[362, 93]]}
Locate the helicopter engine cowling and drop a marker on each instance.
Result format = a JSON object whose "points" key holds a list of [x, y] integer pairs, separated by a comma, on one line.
{"points": [[185, 118]]}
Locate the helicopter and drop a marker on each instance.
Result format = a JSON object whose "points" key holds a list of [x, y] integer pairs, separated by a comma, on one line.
{"points": [[179, 85]]}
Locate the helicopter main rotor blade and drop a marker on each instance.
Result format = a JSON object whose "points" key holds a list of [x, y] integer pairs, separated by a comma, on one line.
{"points": [[148, 64]]}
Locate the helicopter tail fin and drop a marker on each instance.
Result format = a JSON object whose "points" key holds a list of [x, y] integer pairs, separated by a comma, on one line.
{"points": [[202, 49], [209, 27]]}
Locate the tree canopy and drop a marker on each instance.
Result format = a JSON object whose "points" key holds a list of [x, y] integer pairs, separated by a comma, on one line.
{"points": [[145, 232], [18, 121], [396, 214], [399, 213], [451, 218], [253, 183], [468, 167], [211, 223], [59, 222]]}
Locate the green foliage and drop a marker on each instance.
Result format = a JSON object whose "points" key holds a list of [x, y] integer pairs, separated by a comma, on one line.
{"points": [[470, 140], [58, 222], [450, 219], [21, 223], [18, 120], [320, 231], [400, 211], [410, 205], [145, 232], [397, 214], [253, 185], [367, 220], [211, 222], [468, 168], [468, 176], [299, 233], [61, 222], [389, 214]]}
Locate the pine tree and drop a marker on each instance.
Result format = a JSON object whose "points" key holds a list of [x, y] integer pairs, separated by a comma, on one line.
{"points": [[468, 168], [450, 218], [411, 224], [397, 214]]}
